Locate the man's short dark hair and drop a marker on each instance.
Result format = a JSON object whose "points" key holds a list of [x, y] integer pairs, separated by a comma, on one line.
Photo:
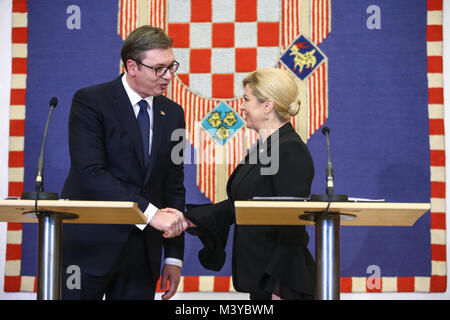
{"points": [[141, 40]]}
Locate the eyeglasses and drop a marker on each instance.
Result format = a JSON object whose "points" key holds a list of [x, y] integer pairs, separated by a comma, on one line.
{"points": [[161, 71]]}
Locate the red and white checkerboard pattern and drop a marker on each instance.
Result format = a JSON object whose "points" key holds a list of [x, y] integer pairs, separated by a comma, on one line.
{"points": [[219, 42]]}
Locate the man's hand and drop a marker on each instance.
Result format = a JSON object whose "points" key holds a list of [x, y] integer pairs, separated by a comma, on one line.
{"points": [[190, 224], [172, 224], [171, 273]]}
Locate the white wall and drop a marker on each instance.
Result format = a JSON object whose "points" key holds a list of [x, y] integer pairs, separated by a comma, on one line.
{"points": [[5, 58]]}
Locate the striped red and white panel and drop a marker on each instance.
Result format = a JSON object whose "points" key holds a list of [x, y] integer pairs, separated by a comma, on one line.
{"points": [[131, 15], [317, 98], [290, 28], [157, 13], [320, 17], [320, 20], [128, 17], [290, 11], [438, 279], [13, 280]]}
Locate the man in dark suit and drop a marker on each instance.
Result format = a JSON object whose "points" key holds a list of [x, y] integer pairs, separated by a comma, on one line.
{"points": [[120, 149]]}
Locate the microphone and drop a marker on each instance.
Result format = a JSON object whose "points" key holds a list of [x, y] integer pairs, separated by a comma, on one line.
{"points": [[329, 196], [329, 170], [40, 167], [39, 181]]}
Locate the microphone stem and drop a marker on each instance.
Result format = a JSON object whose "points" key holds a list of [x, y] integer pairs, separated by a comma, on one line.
{"points": [[330, 175], [40, 169]]}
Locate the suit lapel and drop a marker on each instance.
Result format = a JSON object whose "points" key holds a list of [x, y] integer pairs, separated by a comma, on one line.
{"points": [[159, 119], [124, 110], [241, 171], [244, 168]]}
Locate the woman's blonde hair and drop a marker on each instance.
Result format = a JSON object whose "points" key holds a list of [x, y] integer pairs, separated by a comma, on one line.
{"points": [[280, 86]]}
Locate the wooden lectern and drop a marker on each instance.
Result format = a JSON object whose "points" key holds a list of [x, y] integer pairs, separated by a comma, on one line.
{"points": [[327, 225], [50, 215]]}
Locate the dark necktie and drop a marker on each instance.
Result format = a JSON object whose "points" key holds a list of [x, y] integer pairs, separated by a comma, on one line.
{"points": [[144, 125]]}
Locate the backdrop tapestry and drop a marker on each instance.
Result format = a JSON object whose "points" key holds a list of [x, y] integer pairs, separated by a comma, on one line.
{"points": [[372, 73]]}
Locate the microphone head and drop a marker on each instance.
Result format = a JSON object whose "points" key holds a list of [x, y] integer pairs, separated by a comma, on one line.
{"points": [[53, 102], [325, 130]]}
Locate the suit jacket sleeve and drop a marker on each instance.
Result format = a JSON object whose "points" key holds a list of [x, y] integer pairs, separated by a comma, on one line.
{"points": [[213, 223], [174, 197]]}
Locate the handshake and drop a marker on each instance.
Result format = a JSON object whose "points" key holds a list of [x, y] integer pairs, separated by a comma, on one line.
{"points": [[171, 222]]}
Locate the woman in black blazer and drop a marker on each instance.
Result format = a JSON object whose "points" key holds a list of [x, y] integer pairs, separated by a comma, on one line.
{"points": [[269, 262]]}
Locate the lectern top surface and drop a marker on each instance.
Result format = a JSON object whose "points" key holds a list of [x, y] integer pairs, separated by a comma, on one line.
{"points": [[92, 212], [366, 213]]}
